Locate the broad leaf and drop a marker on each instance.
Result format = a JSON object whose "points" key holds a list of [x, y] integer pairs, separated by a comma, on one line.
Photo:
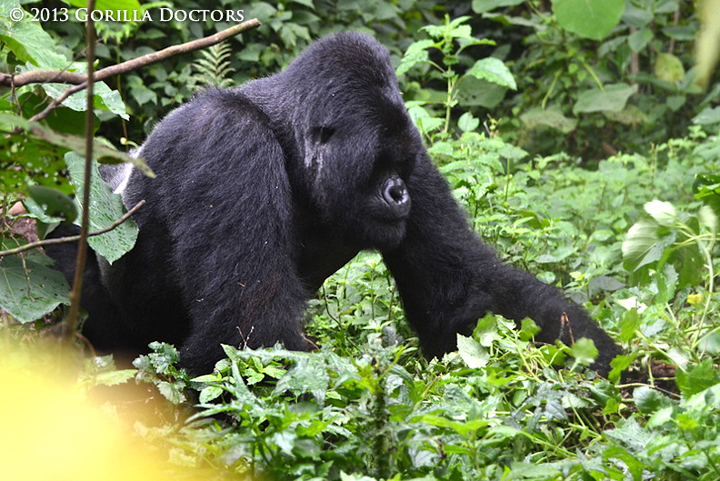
{"points": [[493, 70], [28, 295], [591, 19], [611, 98], [105, 209], [482, 6], [27, 40], [550, 117], [669, 68], [663, 212]]}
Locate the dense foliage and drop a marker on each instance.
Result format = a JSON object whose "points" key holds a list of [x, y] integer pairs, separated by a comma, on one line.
{"points": [[586, 152]]}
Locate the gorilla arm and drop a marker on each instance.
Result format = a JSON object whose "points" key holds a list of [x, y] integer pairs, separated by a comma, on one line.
{"points": [[448, 279]]}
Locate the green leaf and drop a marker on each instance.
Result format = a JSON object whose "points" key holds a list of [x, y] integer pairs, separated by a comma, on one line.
{"points": [[619, 364], [611, 98], [171, 392], [629, 325], [528, 329], [462, 428], [707, 188], [473, 92], [641, 246], [710, 344], [675, 102], [636, 17], [493, 70], [630, 115], [660, 417], [307, 3], [422, 119], [28, 295], [533, 471], [482, 6], [105, 208], [416, 53], [701, 400], [113, 378], [486, 330], [590, 19], [669, 68], [550, 117], [468, 123], [210, 393], [27, 40], [649, 400], [663, 212], [697, 377], [474, 355], [54, 202], [584, 351], [604, 283], [639, 40], [707, 116], [103, 98], [307, 376]]}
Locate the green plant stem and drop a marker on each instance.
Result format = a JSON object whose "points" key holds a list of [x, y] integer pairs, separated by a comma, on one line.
{"points": [[551, 89], [592, 74]]}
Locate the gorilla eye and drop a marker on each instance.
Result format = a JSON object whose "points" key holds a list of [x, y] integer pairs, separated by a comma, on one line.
{"points": [[325, 134], [321, 135]]}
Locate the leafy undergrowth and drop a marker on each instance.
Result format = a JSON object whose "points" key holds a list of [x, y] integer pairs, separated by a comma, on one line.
{"points": [[635, 241], [497, 409]]}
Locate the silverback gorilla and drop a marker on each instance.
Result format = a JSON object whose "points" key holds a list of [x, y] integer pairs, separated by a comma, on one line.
{"points": [[265, 190]]}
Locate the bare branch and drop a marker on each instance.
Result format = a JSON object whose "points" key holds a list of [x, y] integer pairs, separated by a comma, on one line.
{"points": [[60, 76], [73, 238], [42, 76]]}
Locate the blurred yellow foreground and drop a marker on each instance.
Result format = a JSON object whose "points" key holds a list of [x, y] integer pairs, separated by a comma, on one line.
{"points": [[50, 432]]}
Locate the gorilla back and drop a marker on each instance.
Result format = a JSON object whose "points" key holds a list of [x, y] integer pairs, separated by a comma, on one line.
{"points": [[265, 190]]}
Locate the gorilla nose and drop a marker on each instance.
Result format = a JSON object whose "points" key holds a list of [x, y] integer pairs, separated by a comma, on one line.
{"points": [[396, 193], [397, 196]]}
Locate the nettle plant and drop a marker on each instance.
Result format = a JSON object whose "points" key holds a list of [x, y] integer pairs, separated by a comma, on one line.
{"points": [[449, 41]]}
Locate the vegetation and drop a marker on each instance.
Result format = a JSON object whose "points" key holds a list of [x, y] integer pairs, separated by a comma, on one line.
{"points": [[586, 152]]}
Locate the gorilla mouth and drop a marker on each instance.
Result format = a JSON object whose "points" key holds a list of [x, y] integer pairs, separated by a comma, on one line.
{"points": [[386, 233]]}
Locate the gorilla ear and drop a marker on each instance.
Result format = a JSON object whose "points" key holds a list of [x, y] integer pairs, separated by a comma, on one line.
{"points": [[321, 134]]}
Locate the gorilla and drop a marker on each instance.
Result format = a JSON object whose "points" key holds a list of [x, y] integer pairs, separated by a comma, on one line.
{"points": [[265, 190]]}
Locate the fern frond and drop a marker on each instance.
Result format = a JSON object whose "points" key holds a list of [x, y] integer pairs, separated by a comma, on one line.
{"points": [[214, 68]]}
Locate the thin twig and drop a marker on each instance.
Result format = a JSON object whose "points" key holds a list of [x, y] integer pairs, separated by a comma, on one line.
{"points": [[72, 238], [67, 93]]}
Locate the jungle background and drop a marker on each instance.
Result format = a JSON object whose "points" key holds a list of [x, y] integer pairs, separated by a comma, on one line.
{"points": [[582, 139]]}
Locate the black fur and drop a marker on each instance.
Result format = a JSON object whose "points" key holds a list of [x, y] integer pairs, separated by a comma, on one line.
{"points": [[265, 190]]}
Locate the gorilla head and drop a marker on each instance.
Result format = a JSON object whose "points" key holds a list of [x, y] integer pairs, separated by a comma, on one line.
{"points": [[352, 140], [263, 191]]}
